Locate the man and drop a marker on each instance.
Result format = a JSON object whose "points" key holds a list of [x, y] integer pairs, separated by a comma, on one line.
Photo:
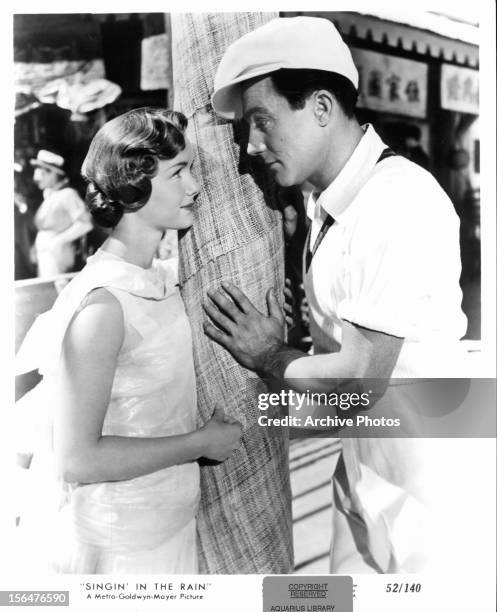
{"points": [[61, 219], [381, 270]]}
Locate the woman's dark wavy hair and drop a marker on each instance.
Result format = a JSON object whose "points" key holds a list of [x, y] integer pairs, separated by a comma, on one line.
{"points": [[124, 156]]}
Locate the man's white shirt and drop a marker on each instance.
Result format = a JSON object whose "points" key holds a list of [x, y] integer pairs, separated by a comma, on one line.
{"points": [[390, 262]]}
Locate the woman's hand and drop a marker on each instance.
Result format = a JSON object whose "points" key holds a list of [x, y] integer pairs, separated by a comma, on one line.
{"points": [[220, 436]]}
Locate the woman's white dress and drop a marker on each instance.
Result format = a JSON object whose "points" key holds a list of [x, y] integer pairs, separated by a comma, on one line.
{"points": [[142, 525]]}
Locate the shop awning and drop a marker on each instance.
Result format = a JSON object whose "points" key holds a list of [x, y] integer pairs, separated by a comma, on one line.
{"points": [[444, 25], [442, 36]]}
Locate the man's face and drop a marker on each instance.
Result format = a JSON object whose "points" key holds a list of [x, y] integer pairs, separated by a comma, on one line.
{"points": [[286, 140]]}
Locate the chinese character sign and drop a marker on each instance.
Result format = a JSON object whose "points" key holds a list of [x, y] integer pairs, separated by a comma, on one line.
{"points": [[391, 84], [459, 89]]}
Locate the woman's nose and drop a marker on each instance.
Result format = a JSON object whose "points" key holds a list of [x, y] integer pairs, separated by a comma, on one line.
{"points": [[193, 187]]}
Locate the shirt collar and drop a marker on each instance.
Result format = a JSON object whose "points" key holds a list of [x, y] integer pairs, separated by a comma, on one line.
{"points": [[336, 198]]}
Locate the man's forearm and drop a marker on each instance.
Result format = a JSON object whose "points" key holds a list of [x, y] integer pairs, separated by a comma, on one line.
{"points": [[364, 355], [302, 372]]}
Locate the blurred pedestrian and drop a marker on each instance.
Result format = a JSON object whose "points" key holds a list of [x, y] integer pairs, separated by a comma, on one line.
{"points": [[62, 218], [413, 149]]}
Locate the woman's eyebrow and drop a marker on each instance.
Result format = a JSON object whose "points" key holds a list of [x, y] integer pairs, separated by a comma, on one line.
{"points": [[177, 164]]}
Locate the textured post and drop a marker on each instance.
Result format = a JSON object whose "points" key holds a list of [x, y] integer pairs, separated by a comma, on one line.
{"points": [[245, 520]]}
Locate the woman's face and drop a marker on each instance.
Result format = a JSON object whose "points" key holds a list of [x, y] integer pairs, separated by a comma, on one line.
{"points": [[174, 190]]}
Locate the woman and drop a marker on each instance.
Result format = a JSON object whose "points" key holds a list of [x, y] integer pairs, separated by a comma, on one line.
{"points": [[119, 361]]}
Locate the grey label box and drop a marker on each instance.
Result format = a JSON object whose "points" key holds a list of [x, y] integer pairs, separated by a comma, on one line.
{"points": [[307, 593], [34, 598]]}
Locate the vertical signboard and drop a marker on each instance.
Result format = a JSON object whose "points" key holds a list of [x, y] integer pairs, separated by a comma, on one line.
{"points": [[391, 84]]}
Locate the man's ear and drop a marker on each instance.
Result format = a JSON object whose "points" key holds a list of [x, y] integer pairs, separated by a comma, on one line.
{"points": [[323, 106]]}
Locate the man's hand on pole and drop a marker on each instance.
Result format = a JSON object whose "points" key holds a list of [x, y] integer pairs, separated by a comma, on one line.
{"points": [[251, 337]]}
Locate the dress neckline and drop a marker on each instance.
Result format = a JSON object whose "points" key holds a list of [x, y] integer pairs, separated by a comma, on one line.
{"points": [[103, 254], [142, 282]]}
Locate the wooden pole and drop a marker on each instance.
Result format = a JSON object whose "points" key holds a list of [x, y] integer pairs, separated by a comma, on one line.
{"points": [[245, 520]]}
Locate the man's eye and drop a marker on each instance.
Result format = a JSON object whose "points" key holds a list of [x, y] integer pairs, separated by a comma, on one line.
{"points": [[261, 123]]}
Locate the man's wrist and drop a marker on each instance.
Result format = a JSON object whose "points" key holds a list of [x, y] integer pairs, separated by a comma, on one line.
{"points": [[276, 361]]}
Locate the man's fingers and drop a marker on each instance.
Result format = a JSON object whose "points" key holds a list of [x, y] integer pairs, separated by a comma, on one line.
{"points": [[288, 293], [239, 297], [288, 308], [273, 306], [218, 317], [217, 335], [225, 305], [290, 218]]}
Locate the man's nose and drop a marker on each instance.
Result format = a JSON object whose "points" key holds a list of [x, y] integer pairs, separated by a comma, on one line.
{"points": [[255, 145]]}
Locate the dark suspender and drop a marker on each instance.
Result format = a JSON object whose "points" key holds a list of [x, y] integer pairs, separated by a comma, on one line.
{"points": [[328, 222]]}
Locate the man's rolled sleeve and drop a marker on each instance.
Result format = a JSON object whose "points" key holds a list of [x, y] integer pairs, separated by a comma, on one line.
{"points": [[391, 278]]}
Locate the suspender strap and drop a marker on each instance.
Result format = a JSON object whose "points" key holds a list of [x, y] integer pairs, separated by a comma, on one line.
{"points": [[328, 222], [385, 153]]}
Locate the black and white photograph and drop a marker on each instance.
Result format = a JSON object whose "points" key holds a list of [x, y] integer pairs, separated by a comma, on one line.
{"points": [[252, 269]]}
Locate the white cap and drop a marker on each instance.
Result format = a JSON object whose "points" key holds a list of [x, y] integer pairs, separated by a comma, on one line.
{"points": [[286, 42], [49, 160]]}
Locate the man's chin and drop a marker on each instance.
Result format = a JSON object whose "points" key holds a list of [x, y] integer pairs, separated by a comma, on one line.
{"points": [[284, 180]]}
